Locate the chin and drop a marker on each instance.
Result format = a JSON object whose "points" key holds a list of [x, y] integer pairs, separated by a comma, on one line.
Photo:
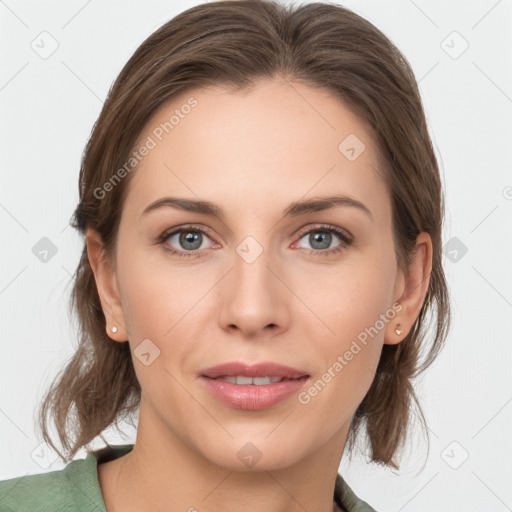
{"points": [[257, 453]]}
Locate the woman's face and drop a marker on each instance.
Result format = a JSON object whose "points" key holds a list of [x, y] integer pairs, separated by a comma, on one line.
{"points": [[262, 281]]}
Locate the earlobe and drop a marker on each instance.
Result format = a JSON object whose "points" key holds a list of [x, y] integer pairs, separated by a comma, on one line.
{"points": [[415, 288], [394, 333], [106, 284]]}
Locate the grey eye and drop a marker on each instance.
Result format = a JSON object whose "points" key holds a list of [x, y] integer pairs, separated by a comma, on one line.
{"points": [[188, 240], [319, 239]]}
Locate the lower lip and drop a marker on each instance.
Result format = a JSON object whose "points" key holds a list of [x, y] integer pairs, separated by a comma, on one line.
{"points": [[252, 397]]}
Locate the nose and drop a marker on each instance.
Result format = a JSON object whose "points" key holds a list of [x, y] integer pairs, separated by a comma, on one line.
{"points": [[253, 297]]}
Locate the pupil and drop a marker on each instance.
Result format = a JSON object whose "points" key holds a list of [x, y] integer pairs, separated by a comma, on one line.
{"points": [[189, 238], [323, 238]]}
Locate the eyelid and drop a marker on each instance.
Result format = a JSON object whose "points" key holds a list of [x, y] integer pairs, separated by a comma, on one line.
{"points": [[345, 235], [191, 227]]}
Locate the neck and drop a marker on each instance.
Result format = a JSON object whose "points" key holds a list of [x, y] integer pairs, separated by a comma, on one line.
{"points": [[165, 472]]}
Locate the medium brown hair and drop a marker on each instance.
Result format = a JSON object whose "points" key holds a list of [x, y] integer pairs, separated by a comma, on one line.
{"points": [[236, 43]]}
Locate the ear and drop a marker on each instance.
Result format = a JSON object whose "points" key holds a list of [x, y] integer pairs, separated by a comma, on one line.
{"points": [[413, 288], [106, 283]]}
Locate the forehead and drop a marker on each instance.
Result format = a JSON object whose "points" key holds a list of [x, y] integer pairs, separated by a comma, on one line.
{"points": [[258, 148]]}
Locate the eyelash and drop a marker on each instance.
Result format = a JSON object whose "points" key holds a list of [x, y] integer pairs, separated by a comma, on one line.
{"points": [[345, 240]]}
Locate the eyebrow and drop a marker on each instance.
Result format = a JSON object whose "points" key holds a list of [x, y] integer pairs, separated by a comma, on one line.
{"points": [[293, 210]]}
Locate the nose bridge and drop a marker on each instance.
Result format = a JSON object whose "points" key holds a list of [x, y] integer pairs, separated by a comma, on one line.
{"points": [[252, 298], [251, 266]]}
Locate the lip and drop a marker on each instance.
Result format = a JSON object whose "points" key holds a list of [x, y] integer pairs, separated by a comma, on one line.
{"points": [[265, 369], [252, 397]]}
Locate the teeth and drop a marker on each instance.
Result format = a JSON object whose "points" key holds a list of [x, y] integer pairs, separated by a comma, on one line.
{"points": [[242, 380]]}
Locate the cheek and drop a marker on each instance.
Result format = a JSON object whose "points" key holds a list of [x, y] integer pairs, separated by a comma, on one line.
{"points": [[356, 306], [155, 293], [155, 306], [351, 297], [348, 358], [148, 307], [165, 304]]}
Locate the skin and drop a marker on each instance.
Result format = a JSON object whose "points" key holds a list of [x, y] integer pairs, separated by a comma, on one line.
{"points": [[252, 154]]}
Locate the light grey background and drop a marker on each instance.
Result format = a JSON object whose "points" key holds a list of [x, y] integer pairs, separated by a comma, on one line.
{"points": [[48, 107]]}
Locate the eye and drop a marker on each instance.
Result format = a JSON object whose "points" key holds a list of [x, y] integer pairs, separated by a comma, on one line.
{"points": [[184, 241], [320, 239]]}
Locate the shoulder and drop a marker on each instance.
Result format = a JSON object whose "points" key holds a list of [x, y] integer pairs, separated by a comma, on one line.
{"points": [[40, 492], [75, 488], [347, 498], [68, 489]]}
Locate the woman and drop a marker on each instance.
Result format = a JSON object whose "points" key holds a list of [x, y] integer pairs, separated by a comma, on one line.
{"points": [[261, 210]]}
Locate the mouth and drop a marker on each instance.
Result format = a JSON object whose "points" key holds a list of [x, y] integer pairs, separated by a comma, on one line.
{"points": [[253, 388], [256, 374], [242, 380]]}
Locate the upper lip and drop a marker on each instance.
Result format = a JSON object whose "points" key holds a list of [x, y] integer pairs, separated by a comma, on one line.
{"points": [[265, 369]]}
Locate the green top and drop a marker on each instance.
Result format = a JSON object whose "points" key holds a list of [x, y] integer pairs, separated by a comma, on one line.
{"points": [[76, 488]]}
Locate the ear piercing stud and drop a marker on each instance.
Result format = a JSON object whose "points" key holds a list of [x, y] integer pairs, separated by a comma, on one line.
{"points": [[114, 329], [398, 331]]}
